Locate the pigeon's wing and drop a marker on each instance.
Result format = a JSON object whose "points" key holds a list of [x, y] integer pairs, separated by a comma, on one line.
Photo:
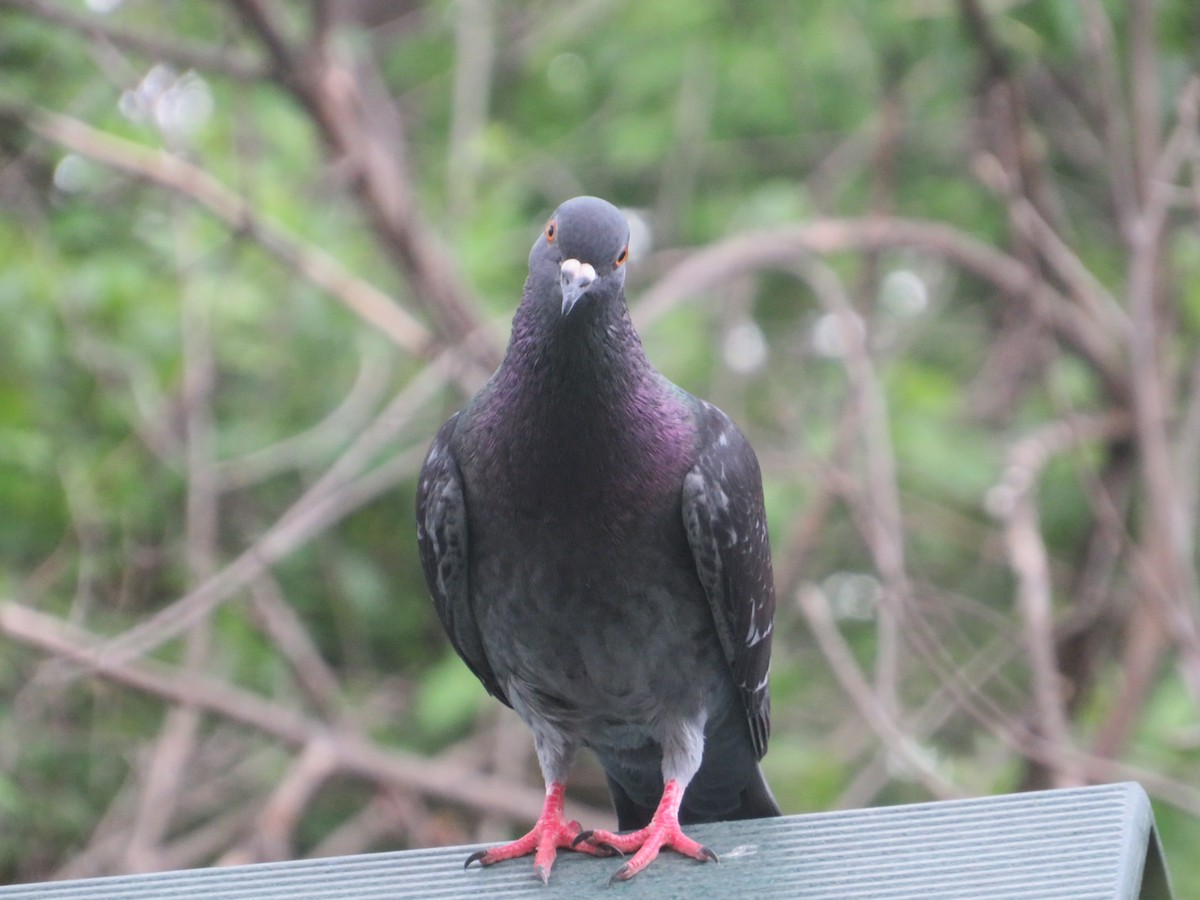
{"points": [[727, 530], [443, 540]]}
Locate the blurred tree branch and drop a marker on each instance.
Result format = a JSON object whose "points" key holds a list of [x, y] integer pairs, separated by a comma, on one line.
{"points": [[228, 61], [778, 249], [360, 127], [350, 754], [894, 736], [171, 171], [345, 486]]}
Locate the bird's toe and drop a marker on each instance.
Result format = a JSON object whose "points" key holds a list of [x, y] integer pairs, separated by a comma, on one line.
{"points": [[622, 874]]}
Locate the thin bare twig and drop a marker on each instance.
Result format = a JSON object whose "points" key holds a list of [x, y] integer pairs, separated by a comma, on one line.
{"points": [[279, 817], [1092, 297], [1187, 456], [225, 60], [1144, 92], [168, 170], [1013, 500], [165, 772], [201, 844], [386, 814], [1114, 126], [475, 50], [778, 249], [280, 622], [854, 683], [360, 127], [938, 709], [883, 518], [1171, 580], [339, 491], [304, 449], [303, 521], [806, 531], [355, 756]]}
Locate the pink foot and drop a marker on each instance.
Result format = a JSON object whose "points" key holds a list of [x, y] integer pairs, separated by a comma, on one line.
{"points": [[663, 831], [550, 832]]}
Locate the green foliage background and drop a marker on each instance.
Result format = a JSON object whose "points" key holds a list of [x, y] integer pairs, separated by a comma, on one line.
{"points": [[709, 119]]}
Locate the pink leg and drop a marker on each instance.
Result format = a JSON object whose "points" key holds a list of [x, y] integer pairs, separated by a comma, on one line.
{"points": [[663, 831], [550, 832]]}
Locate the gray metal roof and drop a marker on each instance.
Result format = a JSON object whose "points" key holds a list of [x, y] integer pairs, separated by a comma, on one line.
{"points": [[1095, 842]]}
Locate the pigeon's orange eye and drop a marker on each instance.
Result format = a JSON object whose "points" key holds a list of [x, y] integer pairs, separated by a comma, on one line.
{"points": [[551, 230], [621, 257]]}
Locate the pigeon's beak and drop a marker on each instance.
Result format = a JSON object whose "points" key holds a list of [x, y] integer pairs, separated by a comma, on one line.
{"points": [[576, 277]]}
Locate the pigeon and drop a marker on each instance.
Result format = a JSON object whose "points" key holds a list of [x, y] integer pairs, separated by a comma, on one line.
{"points": [[595, 542]]}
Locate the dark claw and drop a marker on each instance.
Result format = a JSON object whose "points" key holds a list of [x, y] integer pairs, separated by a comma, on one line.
{"points": [[609, 849], [475, 857], [708, 854], [622, 874]]}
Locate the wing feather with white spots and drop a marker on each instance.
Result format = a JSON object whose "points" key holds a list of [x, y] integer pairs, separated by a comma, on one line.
{"points": [[727, 530], [442, 538]]}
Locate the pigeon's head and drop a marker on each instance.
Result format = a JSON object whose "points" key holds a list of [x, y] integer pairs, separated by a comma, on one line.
{"points": [[583, 247]]}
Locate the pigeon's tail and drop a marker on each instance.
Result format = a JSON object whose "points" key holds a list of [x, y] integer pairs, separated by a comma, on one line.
{"points": [[755, 801], [630, 814]]}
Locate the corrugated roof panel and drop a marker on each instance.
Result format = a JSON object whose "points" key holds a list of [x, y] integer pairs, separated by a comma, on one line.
{"points": [[1080, 844]]}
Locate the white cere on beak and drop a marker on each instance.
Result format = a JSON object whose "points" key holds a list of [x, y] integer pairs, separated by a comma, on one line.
{"points": [[576, 277]]}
